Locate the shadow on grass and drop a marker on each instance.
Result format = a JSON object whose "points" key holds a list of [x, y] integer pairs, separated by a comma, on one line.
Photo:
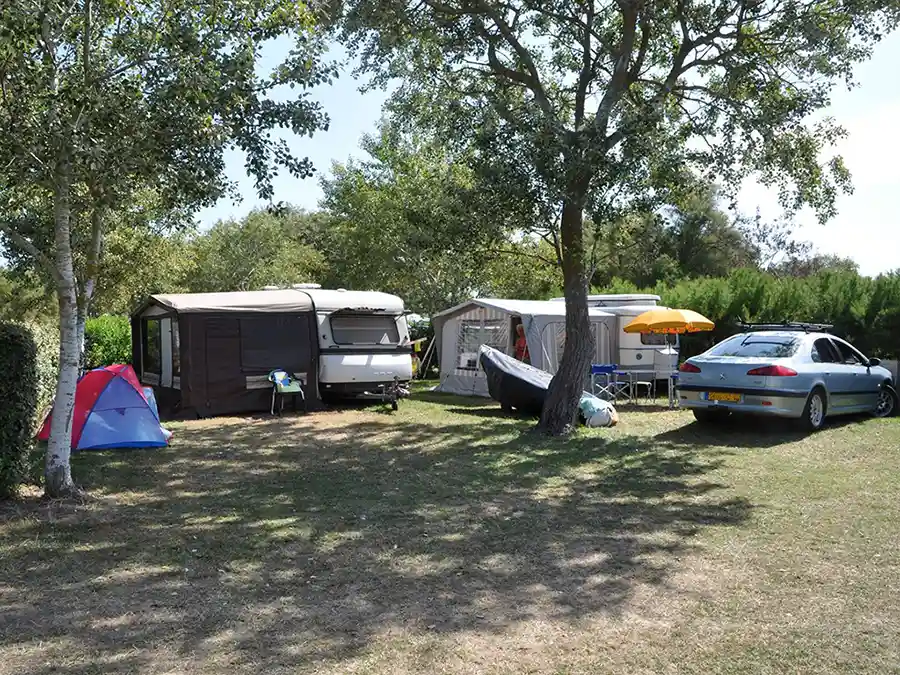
{"points": [[748, 431], [283, 544]]}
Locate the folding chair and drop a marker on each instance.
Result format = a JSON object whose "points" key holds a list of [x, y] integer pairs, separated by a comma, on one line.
{"points": [[648, 384], [283, 385], [605, 382]]}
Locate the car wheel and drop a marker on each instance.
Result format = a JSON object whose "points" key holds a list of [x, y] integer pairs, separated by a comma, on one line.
{"points": [[887, 402], [814, 411], [710, 416]]}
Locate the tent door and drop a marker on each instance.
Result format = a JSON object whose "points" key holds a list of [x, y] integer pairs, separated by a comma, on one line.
{"points": [[165, 329]]}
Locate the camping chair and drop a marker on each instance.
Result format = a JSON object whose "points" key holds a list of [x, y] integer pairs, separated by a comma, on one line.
{"points": [[636, 384], [604, 380], [285, 385]]}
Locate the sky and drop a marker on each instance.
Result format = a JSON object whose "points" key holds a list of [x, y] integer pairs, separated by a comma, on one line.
{"points": [[866, 229]]}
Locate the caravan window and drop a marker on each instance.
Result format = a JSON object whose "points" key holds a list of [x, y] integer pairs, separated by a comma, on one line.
{"points": [[151, 349], [476, 332], [369, 329], [176, 349], [653, 339], [269, 342]]}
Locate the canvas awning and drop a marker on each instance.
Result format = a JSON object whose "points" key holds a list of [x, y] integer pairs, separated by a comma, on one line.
{"points": [[287, 300]]}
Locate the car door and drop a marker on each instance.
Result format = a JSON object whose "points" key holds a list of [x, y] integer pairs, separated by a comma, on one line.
{"points": [[838, 377], [857, 376], [866, 384]]}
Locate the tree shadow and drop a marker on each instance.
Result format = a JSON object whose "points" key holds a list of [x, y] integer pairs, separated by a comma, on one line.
{"points": [[287, 542], [748, 431]]}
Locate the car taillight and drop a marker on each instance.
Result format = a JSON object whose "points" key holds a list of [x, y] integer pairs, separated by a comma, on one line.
{"points": [[688, 368], [773, 371]]}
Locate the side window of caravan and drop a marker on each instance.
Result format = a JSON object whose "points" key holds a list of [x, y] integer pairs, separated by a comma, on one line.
{"points": [[151, 361], [352, 329], [474, 333], [655, 339]]}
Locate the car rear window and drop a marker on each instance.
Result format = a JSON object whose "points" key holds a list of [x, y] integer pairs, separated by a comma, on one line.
{"points": [[763, 346]]}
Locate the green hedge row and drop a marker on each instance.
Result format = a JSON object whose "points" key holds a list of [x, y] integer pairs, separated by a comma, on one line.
{"points": [[19, 392], [864, 310], [107, 340]]}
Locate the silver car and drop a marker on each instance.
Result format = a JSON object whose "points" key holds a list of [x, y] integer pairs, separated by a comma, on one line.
{"points": [[803, 374]]}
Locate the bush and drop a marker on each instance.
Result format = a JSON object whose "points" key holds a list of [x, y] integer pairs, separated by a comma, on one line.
{"points": [[863, 310], [107, 340], [19, 393]]}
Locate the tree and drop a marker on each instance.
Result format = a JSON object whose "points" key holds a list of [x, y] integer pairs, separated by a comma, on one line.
{"points": [[101, 100], [247, 255], [805, 266], [412, 220], [598, 106]]}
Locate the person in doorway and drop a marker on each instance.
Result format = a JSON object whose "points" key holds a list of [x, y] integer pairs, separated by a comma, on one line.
{"points": [[521, 344]]}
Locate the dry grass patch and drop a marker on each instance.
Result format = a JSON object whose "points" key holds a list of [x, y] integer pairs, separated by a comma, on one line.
{"points": [[447, 539]]}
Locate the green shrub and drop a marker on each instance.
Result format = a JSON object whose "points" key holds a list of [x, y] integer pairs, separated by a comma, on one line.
{"points": [[107, 340], [19, 393], [864, 310]]}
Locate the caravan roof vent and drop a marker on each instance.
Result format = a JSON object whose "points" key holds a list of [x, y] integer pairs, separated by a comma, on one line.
{"points": [[300, 287], [271, 288]]}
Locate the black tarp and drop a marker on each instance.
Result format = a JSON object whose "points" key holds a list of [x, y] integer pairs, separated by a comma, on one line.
{"points": [[513, 383]]}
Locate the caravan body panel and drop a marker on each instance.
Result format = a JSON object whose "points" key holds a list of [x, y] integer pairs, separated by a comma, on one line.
{"points": [[363, 341]]}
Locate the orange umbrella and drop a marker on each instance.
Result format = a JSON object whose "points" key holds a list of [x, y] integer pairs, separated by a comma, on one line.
{"points": [[666, 320]]}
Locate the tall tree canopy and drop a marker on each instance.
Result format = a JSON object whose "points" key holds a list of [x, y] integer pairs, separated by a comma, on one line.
{"points": [[413, 219], [100, 99], [597, 106]]}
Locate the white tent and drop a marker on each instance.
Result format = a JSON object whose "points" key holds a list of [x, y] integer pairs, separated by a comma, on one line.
{"points": [[461, 330]]}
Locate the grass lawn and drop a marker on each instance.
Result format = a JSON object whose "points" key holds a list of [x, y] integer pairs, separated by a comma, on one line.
{"points": [[447, 539]]}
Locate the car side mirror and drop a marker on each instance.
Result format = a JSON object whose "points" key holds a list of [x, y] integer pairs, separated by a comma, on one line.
{"points": [[873, 362]]}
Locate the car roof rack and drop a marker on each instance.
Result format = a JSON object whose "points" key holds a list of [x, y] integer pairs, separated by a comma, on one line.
{"points": [[788, 325]]}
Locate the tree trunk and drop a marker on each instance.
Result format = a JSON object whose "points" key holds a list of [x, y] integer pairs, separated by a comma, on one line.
{"points": [[561, 407], [57, 468]]}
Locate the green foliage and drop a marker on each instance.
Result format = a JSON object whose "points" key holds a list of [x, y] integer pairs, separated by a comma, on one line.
{"points": [[412, 221], [107, 340], [46, 338], [19, 393], [262, 249], [866, 311], [24, 298]]}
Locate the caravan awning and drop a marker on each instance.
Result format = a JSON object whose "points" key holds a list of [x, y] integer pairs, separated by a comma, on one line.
{"points": [[547, 308], [287, 300]]}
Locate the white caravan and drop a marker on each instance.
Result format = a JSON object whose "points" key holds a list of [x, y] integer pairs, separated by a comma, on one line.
{"points": [[363, 341], [635, 351]]}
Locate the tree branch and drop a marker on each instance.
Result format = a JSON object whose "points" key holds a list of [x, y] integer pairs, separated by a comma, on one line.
{"points": [[587, 65], [619, 81], [24, 244], [535, 85]]}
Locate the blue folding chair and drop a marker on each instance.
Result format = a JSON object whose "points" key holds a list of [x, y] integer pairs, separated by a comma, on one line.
{"points": [[603, 380]]}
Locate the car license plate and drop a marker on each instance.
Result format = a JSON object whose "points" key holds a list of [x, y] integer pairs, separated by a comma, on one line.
{"points": [[723, 396]]}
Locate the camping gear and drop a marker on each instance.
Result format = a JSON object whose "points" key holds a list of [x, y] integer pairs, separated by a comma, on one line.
{"points": [[669, 321], [211, 353], [518, 386], [514, 384], [112, 411], [285, 385], [461, 330], [597, 412]]}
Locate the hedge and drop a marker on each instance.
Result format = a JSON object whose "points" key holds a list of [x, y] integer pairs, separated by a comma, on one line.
{"points": [[19, 391], [864, 310], [107, 340]]}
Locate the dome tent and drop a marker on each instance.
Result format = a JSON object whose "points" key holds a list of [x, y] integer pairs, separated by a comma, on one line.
{"points": [[111, 411]]}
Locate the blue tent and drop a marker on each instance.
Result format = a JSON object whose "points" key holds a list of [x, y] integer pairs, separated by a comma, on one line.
{"points": [[112, 411]]}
